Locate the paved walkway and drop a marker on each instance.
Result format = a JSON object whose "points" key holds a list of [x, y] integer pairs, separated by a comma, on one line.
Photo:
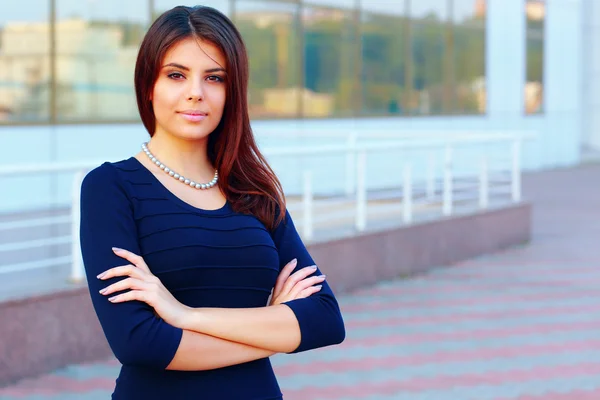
{"points": [[523, 324]]}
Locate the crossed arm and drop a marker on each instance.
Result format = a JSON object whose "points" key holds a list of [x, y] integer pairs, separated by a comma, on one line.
{"points": [[223, 336]]}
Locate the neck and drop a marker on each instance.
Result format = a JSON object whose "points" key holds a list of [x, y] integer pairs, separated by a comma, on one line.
{"points": [[188, 157]]}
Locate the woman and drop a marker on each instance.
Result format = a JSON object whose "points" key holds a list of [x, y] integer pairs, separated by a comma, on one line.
{"points": [[195, 269]]}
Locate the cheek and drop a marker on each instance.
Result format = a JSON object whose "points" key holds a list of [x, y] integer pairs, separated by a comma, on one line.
{"points": [[161, 99], [219, 98]]}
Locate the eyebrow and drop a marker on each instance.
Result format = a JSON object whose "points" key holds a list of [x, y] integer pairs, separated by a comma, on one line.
{"points": [[219, 69]]}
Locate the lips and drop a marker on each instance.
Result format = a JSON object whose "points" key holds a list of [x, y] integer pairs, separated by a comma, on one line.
{"points": [[193, 115]]}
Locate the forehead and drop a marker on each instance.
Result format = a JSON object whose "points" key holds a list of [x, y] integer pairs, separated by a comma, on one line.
{"points": [[192, 52]]}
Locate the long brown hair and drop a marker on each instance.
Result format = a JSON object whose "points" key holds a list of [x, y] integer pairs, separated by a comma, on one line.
{"points": [[245, 177]]}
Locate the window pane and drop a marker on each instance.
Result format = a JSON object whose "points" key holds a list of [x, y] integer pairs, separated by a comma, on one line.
{"points": [[384, 61], [469, 17], [24, 61], [329, 62], [270, 31], [429, 30], [331, 3], [386, 7], [96, 47], [534, 86]]}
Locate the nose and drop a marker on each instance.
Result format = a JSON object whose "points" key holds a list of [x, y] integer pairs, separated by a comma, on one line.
{"points": [[196, 92]]}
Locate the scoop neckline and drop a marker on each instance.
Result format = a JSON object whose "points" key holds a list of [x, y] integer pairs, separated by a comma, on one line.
{"points": [[224, 209]]}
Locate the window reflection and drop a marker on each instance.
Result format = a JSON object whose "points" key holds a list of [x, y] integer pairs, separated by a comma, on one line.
{"points": [[25, 81], [270, 31], [329, 63], [384, 63], [96, 48], [403, 57], [535, 12], [385, 7], [429, 32], [469, 33], [332, 3]]}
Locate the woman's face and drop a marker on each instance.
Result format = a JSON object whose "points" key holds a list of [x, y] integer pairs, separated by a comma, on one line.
{"points": [[189, 94]]}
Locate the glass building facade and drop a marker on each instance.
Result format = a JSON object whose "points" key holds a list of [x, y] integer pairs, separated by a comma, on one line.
{"points": [[72, 61]]}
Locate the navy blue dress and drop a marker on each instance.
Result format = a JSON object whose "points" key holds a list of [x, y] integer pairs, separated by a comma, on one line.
{"points": [[205, 258]]}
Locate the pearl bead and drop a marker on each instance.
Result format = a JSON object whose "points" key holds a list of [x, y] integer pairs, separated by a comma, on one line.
{"points": [[176, 175]]}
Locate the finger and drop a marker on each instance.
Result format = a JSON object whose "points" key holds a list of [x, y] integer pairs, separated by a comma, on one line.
{"points": [[133, 258], [129, 283], [139, 295], [124, 270], [283, 276], [297, 277], [306, 283], [308, 291]]}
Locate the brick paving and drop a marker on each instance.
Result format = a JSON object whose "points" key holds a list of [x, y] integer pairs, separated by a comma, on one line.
{"points": [[518, 325]]}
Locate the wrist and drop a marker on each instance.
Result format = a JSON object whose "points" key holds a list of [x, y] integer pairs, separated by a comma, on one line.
{"points": [[193, 319]]}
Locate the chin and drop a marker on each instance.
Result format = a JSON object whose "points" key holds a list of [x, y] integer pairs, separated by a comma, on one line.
{"points": [[194, 134]]}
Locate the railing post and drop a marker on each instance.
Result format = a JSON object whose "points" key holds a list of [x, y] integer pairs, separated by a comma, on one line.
{"points": [[407, 211], [447, 198], [483, 184], [516, 171], [350, 163], [361, 191], [76, 261], [307, 202], [430, 177]]}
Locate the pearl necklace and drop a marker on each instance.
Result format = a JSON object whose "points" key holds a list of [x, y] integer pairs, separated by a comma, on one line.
{"points": [[176, 175]]}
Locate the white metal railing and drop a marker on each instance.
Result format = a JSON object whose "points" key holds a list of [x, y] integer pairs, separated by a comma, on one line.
{"points": [[356, 204]]}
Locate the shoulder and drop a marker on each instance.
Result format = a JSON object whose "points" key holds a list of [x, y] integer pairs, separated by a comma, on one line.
{"points": [[107, 171], [282, 225], [104, 176]]}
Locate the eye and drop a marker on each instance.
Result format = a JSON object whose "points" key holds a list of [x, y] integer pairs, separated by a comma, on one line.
{"points": [[215, 78], [175, 75]]}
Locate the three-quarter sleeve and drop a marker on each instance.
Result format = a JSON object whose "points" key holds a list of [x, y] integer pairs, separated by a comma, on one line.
{"points": [[135, 334], [319, 317]]}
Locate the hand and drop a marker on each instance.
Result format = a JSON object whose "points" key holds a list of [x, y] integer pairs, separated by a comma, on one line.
{"points": [[296, 286], [145, 287]]}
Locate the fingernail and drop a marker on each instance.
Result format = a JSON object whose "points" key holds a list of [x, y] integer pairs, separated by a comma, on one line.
{"points": [[112, 298], [101, 275], [322, 276], [295, 261], [319, 287], [313, 267], [102, 291], [117, 249]]}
